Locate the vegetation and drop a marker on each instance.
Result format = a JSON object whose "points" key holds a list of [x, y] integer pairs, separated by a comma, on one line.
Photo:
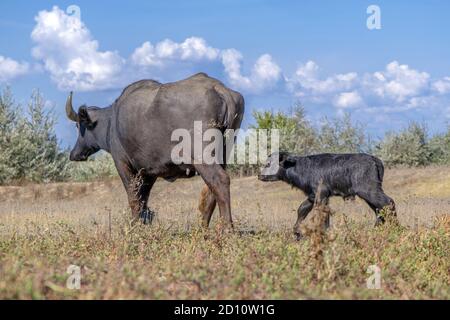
{"points": [[45, 229], [28, 144], [101, 166], [157, 264], [299, 136], [409, 147]]}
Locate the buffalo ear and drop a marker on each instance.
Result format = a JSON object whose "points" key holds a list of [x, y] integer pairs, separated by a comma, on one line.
{"points": [[87, 117]]}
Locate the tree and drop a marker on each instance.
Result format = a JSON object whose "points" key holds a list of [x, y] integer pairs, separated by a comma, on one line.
{"points": [[47, 161], [8, 120], [340, 135], [296, 133], [29, 146], [439, 146], [408, 147]]}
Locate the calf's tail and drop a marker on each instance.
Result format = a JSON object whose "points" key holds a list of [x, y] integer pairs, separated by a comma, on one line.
{"points": [[380, 169]]}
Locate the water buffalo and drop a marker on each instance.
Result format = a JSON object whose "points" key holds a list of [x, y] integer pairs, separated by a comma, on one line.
{"points": [[136, 130], [345, 175]]}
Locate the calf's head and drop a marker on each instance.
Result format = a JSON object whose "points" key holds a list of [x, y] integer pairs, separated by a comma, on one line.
{"points": [[86, 120], [276, 165]]}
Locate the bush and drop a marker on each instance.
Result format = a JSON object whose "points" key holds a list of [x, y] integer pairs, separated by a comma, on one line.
{"points": [[440, 148], [408, 147], [340, 135], [29, 148], [8, 123], [296, 133], [100, 167]]}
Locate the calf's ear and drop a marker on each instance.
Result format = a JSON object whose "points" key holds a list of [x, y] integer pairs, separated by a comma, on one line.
{"points": [[288, 162]]}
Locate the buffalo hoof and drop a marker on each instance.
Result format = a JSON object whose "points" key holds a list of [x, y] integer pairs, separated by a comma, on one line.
{"points": [[244, 233], [146, 216], [298, 236]]}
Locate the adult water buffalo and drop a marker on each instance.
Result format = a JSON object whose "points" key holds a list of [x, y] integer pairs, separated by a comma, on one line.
{"points": [[136, 129]]}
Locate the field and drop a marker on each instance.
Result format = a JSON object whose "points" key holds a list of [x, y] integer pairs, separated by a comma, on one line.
{"points": [[46, 228]]}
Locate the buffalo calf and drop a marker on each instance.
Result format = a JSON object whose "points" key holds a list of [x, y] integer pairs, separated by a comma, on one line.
{"points": [[325, 175]]}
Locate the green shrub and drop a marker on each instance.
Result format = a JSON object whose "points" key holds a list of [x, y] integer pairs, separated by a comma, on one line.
{"points": [[29, 149], [99, 167], [409, 147], [440, 148], [296, 133], [338, 135], [341, 135], [8, 123]]}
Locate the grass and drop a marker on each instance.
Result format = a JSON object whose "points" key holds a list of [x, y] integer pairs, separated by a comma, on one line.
{"points": [[46, 228]]}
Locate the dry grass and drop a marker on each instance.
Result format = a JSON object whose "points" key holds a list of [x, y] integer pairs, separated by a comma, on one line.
{"points": [[46, 228]]}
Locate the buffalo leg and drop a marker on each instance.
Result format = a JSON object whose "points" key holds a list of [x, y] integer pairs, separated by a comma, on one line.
{"points": [[377, 200], [143, 192], [206, 205], [137, 186], [218, 181], [302, 212]]}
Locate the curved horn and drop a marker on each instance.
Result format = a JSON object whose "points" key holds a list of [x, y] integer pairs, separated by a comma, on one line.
{"points": [[71, 114]]}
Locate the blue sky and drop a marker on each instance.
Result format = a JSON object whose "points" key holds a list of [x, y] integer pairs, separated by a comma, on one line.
{"points": [[274, 52]]}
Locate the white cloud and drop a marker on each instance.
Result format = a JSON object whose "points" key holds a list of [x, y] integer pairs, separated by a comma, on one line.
{"points": [[145, 55], [265, 72], [307, 71], [397, 82], [397, 88], [191, 49], [70, 54], [442, 86], [307, 83], [232, 60], [10, 69], [66, 50], [348, 99], [72, 57]]}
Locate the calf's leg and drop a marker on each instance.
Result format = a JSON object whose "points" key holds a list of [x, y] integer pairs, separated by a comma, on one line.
{"points": [[322, 199], [320, 219], [302, 212], [377, 201]]}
